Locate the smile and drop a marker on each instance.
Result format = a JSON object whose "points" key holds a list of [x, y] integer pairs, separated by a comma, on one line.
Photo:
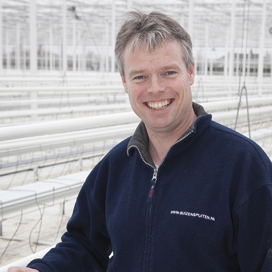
{"points": [[159, 105]]}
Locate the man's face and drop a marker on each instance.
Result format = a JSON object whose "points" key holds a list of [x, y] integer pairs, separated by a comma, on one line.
{"points": [[158, 85]]}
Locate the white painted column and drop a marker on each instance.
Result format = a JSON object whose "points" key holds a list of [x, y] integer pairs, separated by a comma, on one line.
{"points": [[191, 19], [206, 49], [64, 37], [33, 37], [261, 47], [237, 63], [129, 5], [113, 18], [226, 54], [211, 66], [51, 49], [80, 50], [248, 62], [181, 20], [102, 56], [107, 46], [195, 61], [60, 58], [84, 56], [271, 63], [1, 38], [7, 50], [232, 38], [74, 44], [47, 50], [23, 54], [244, 63]]}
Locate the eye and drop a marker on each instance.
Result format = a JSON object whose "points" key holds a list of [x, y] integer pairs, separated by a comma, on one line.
{"points": [[139, 78], [169, 73]]}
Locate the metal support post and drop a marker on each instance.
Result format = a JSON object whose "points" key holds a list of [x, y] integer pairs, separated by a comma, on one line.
{"points": [[271, 63], [206, 48], [107, 46], [18, 55], [1, 216], [1, 38], [191, 19], [50, 49], [74, 45], [84, 56], [261, 48], [196, 62], [33, 37], [64, 38], [129, 5], [232, 37], [34, 107], [248, 62], [113, 18], [226, 54], [7, 50], [237, 63], [24, 54], [102, 55]]}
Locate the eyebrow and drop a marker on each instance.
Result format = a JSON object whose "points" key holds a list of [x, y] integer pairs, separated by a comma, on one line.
{"points": [[135, 72], [165, 68], [172, 67]]}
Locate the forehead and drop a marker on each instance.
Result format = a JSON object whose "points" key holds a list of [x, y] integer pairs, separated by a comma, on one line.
{"points": [[168, 51], [150, 47]]}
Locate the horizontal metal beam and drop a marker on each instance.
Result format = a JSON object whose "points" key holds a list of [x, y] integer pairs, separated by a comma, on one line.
{"points": [[45, 142], [65, 110], [32, 195], [233, 103], [63, 89], [64, 100], [66, 125]]}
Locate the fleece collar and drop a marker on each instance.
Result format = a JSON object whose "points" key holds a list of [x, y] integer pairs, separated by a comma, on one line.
{"points": [[140, 139]]}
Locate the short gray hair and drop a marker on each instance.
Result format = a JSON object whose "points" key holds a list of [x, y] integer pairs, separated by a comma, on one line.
{"points": [[151, 30]]}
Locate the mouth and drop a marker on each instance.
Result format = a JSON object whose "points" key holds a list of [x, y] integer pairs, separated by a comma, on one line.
{"points": [[160, 105]]}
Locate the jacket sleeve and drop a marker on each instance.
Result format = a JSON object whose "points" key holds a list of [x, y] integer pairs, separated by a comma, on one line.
{"points": [[253, 216], [86, 244]]}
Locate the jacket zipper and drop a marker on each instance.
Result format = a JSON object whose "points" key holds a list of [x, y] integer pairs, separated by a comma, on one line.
{"points": [[153, 183], [146, 263], [149, 201]]}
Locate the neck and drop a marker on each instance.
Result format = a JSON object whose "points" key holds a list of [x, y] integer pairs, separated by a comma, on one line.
{"points": [[160, 143]]}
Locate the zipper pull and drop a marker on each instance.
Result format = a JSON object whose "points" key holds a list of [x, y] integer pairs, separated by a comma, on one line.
{"points": [[153, 182]]}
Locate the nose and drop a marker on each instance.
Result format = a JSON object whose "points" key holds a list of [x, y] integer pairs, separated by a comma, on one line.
{"points": [[156, 85]]}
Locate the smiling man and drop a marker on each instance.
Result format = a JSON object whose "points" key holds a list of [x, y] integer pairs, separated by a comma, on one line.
{"points": [[183, 193], [158, 85]]}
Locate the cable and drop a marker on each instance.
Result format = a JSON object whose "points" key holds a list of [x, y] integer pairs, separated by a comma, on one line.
{"points": [[39, 232], [61, 219], [11, 239], [240, 93]]}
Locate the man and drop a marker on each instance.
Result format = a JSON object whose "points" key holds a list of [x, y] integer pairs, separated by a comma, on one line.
{"points": [[184, 193]]}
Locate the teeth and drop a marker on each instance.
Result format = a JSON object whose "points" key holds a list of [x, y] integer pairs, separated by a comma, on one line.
{"points": [[158, 105]]}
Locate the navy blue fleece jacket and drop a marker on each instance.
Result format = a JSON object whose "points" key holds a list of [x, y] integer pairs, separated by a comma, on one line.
{"points": [[207, 208]]}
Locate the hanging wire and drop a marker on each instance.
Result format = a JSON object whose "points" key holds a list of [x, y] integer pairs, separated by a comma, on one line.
{"points": [[12, 238], [61, 220], [40, 221], [244, 88]]}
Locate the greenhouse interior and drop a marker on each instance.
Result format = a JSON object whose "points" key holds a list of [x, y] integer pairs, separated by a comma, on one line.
{"points": [[63, 104]]}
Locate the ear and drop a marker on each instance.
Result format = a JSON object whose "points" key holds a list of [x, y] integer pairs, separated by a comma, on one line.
{"points": [[191, 74], [124, 83]]}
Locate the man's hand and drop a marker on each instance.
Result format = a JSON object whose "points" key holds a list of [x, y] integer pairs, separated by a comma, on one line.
{"points": [[21, 269]]}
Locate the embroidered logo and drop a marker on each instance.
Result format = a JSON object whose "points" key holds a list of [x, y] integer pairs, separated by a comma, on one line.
{"points": [[204, 216]]}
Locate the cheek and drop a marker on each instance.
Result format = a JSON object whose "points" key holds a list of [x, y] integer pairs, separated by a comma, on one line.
{"points": [[135, 93]]}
